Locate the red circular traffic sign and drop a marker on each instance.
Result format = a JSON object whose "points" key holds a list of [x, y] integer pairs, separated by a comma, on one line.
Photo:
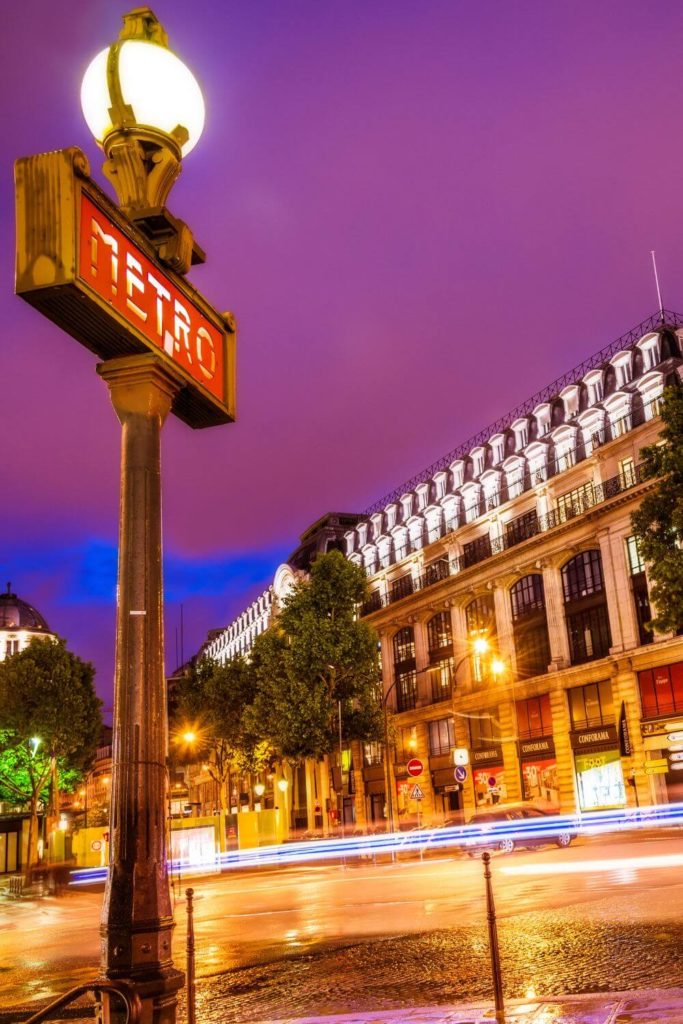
{"points": [[414, 767]]}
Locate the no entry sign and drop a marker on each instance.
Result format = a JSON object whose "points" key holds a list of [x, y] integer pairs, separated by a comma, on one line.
{"points": [[414, 767]]}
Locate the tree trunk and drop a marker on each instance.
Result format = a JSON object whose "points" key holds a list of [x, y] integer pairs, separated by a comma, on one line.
{"points": [[32, 844]]}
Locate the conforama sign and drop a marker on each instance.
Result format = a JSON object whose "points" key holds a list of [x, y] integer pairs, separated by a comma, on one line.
{"points": [[86, 267]]}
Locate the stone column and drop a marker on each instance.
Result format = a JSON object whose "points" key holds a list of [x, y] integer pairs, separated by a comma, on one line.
{"points": [[507, 716], [615, 613], [137, 918], [564, 754], [424, 681], [557, 626], [506, 642]]}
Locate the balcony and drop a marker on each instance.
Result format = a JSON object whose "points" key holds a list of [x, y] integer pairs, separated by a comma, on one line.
{"points": [[519, 530]]}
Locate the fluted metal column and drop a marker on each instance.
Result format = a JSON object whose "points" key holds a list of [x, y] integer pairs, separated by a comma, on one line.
{"points": [[137, 918]]}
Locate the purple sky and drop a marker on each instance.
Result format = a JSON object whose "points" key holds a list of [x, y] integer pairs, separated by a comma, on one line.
{"points": [[420, 213]]}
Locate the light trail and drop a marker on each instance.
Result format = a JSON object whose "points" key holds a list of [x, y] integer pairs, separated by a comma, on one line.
{"points": [[471, 838], [579, 867]]}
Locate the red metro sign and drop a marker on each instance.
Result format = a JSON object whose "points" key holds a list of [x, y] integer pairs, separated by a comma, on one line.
{"points": [[86, 266]]}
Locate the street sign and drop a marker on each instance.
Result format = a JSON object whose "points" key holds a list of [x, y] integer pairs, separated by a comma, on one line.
{"points": [[676, 757], [656, 762], [675, 737], [461, 756], [414, 767], [94, 273], [416, 793], [658, 769], [460, 773]]}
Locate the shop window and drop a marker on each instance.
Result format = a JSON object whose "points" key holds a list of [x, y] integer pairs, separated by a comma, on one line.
{"points": [[441, 737], [661, 690], [480, 619], [591, 705], [530, 627], [573, 503], [406, 744], [586, 608], [439, 632], [639, 590], [600, 780], [533, 717], [372, 753], [484, 729]]}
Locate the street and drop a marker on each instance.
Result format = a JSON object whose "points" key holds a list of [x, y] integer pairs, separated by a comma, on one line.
{"points": [[603, 914]]}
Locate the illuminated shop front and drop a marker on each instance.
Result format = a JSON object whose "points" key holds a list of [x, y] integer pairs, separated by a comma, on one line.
{"points": [[597, 762], [661, 697], [488, 776], [539, 769]]}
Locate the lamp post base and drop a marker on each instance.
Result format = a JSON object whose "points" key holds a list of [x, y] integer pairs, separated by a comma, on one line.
{"points": [[158, 995]]}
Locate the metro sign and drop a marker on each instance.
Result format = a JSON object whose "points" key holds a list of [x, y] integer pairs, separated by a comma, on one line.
{"points": [[83, 264]]}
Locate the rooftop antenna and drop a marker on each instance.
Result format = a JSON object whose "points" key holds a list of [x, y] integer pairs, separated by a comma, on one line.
{"points": [[659, 294]]}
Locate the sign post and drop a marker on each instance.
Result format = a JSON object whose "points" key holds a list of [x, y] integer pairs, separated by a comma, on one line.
{"points": [[111, 276]]}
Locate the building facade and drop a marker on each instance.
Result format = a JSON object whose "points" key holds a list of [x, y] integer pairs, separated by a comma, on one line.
{"points": [[511, 602]]}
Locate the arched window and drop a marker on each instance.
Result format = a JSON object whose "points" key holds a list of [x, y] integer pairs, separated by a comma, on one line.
{"points": [[585, 606], [530, 626], [404, 669], [440, 644], [480, 619]]}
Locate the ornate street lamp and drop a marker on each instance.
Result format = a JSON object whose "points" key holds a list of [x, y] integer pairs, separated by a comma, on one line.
{"points": [[146, 111]]}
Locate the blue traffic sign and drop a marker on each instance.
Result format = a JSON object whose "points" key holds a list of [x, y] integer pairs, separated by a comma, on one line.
{"points": [[460, 773]]}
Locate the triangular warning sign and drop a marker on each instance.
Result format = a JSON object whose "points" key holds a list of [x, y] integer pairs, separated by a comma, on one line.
{"points": [[416, 793]]}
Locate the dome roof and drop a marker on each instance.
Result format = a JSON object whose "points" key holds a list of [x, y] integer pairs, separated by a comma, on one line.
{"points": [[17, 614]]}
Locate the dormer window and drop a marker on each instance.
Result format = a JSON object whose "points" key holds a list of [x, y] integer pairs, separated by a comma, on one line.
{"points": [[649, 345], [651, 387], [490, 481], [570, 400], [407, 506], [618, 408], [376, 521], [400, 535], [391, 512], [497, 445], [370, 559], [594, 386], [471, 499], [564, 441], [416, 530], [384, 546], [520, 429], [422, 491], [592, 425], [542, 414], [458, 470], [362, 531], [350, 540], [478, 456], [514, 475], [537, 457], [451, 512], [440, 484], [433, 517], [622, 363]]}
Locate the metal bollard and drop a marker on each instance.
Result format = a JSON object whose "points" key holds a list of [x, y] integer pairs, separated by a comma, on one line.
{"points": [[191, 1015], [493, 943]]}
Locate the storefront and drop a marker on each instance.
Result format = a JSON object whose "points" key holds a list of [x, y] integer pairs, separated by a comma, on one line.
{"points": [[488, 776], [447, 792], [661, 696], [597, 762], [539, 769]]}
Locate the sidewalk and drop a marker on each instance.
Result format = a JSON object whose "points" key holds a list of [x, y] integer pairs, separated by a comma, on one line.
{"points": [[655, 1006]]}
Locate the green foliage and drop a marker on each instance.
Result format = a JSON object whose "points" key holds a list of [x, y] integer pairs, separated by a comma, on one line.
{"points": [[46, 692], [658, 523], [318, 653]]}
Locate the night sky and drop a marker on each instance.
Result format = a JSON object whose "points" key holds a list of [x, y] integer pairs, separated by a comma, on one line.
{"points": [[420, 212]]}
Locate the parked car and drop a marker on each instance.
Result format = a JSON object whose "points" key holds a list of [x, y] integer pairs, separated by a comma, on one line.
{"points": [[486, 821]]}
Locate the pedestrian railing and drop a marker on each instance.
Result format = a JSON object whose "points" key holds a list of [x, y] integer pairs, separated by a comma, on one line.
{"points": [[119, 989]]}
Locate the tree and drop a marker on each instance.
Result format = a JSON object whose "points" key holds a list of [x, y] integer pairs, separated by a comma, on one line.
{"points": [[50, 724], [658, 523], [212, 703], [316, 654]]}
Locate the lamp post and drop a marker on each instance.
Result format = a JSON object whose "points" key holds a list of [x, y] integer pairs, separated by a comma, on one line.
{"points": [[145, 110]]}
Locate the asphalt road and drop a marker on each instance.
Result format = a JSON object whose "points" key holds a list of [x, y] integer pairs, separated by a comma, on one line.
{"points": [[604, 914]]}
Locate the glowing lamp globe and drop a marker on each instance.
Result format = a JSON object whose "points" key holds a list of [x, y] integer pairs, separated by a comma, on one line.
{"points": [[159, 90]]}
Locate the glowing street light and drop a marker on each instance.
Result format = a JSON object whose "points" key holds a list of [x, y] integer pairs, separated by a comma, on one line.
{"points": [[282, 785], [259, 789], [34, 743], [480, 645]]}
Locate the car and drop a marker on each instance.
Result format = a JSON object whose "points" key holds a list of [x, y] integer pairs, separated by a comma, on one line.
{"points": [[499, 837]]}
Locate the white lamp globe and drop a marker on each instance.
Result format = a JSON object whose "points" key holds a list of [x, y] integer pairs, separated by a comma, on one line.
{"points": [[161, 91]]}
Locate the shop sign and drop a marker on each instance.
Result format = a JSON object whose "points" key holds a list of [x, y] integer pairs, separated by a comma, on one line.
{"points": [[624, 738], [488, 755], [90, 270], [545, 745], [451, 789], [585, 738]]}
